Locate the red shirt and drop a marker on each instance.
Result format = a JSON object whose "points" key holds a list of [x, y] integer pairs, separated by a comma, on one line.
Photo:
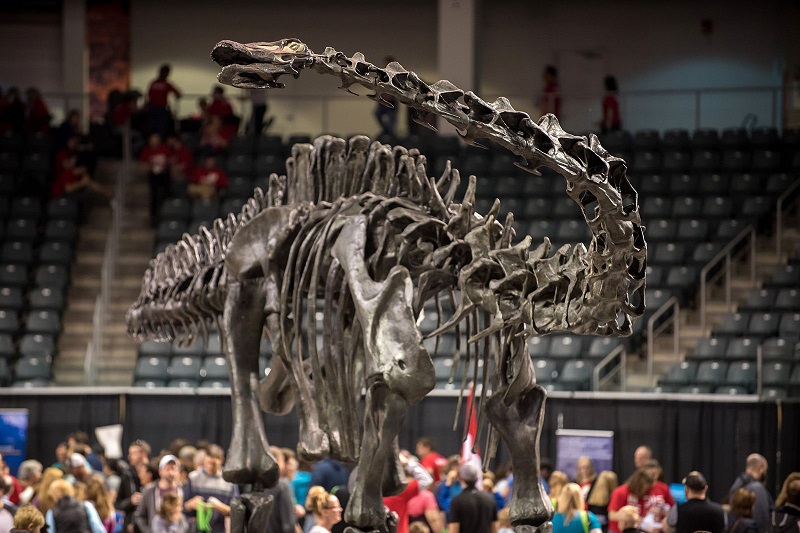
{"points": [[157, 158], [65, 177], [611, 103], [16, 490], [551, 99], [399, 504], [159, 91], [210, 176], [422, 502], [220, 107], [433, 463], [183, 159], [37, 119], [621, 497]]}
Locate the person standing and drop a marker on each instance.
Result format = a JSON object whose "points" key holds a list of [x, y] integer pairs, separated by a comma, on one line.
{"points": [[698, 513], [154, 158], [786, 518], [551, 94], [130, 495], [68, 514], [472, 511], [153, 493], [641, 455], [429, 458], [158, 111], [752, 479], [571, 516], [207, 490], [612, 120], [326, 509]]}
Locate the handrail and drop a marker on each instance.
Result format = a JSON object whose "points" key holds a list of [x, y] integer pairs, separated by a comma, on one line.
{"points": [[621, 368], [107, 273], [726, 254], [675, 305], [779, 217]]}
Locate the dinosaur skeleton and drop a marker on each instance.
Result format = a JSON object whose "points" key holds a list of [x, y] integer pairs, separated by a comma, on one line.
{"points": [[367, 238]]}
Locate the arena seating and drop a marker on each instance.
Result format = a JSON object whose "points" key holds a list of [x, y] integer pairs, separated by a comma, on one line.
{"points": [[698, 190]]}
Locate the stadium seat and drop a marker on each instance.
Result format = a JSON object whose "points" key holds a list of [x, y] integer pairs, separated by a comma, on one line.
{"points": [[765, 137], [744, 184], [655, 275], [663, 229], [717, 207], [710, 348], [56, 252], [787, 299], [705, 161], [682, 278], [777, 348], [733, 390], [647, 140], [170, 231], [760, 300], [711, 373], [646, 162], [732, 324], [174, 209], [565, 347], [53, 277], [683, 185], [17, 252], [680, 374], [205, 209], [22, 229], [9, 322], [763, 324], [735, 161], [154, 349], [686, 206], [214, 368], [32, 368], [185, 367], [266, 165], [692, 230], [602, 346], [62, 209], [576, 375], [26, 207], [215, 384], [7, 349], [765, 161], [742, 348], [231, 206], [756, 206], [153, 367], [241, 145], [539, 229], [150, 383], [775, 373], [572, 231], [11, 298], [5, 373], [539, 347], [183, 383], [777, 183], [789, 325], [676, 139], [442, 366], [240, 165], [617, 141], [787, 276], [196, 348], [774, 393], [705, 138], [676, 161], [269, 145], [714, 184], [794, 381], [734, 138], [705, 252], [46, 298], [61, 230], [730, 228], [13, 275], [546, 370], [741, 374], [654, 207], [668, 253]]}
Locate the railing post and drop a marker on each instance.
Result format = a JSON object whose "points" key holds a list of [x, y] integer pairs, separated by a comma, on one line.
{"points": [[759, 367]]}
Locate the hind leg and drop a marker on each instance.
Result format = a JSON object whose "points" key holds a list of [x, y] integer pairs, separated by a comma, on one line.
{"points": [[248, 460]]}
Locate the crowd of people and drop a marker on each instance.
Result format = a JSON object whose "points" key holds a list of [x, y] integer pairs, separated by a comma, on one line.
{"points": [[181, 489]]}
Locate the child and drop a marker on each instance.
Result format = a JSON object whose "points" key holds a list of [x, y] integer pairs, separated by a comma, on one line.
{"points": [[170, 518]]}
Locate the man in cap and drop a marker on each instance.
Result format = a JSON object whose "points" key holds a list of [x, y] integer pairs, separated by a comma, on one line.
{"points": [[698, 513], [79, 469], [472, 511], [153, 493], [207, 490], [130, 489]]}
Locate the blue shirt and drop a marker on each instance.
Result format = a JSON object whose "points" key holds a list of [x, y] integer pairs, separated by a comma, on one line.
{"points": [[576, 524]]}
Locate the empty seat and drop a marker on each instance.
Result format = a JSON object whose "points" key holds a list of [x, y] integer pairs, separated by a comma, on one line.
{"points": [[735, 161], [777, 183], [717, 207], [647, 140], [269, 164], [443, 367], [576, 375], [565, 347], [705, 161], [174, 209], [185, 367], [710, 348], [602, 346], [686, 206], [668, 253], [774, 393], [617, 141], [704, 252], [565, 208], [62, 209], [61, 230], [732, 390], [765, 137], [755, 206], [239, 186], [9, 322], [183, 383], [681, 277], [765, 161], [683, 184], [789, 325], [539, 347], [676, 139], [787, 299], [196, 348], [794, 381], [170, 231], [214, 368], [775, 373], [680, 374], [663, 229], [646, 162], [26, 207], [11, 298], [692, 230], [240, 165], [54, 277], [651, 185], [744, 184], [215, 384], [728, 229], [149, 383], [151, 367], [17, 252], [539, 229], [241, 145], [570, 231], [742, 348], [205, 209], [46, 298], [13, 275], [676, 162], [764, 324], [32, 368], [741, 374], [154, 349], [787, 276], [760, 300], [546, 370], [271, 145], [231, 205], [656, 207], [777, 348], [655, 299], [734, 138], [711, 373], [22, 229], [5, 373], [56, 252], [733, 324]]}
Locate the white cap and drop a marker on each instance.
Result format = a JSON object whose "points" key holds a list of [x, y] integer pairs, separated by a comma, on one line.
{"points": [[167, 459], [76, 460]]}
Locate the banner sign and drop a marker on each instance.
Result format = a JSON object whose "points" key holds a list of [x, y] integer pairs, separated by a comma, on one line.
{"points": [[574, 443], [13, 435]]}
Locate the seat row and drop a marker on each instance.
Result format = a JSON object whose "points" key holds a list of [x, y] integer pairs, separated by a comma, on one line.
{"points": [[721, 376], [702, 138]]}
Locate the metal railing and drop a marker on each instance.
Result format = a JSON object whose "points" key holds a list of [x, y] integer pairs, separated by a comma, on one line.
{"points": [[779, 216], [618, 354], [652, 332], [99, 318], [727, 254]]}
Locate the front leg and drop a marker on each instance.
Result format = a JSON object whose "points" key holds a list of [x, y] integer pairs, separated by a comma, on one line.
{"points": [[249, 460]]}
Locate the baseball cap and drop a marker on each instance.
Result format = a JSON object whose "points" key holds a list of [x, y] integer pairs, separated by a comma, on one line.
{"points": [[695, 481], [76, 460], [468, 472], [167, 459]]}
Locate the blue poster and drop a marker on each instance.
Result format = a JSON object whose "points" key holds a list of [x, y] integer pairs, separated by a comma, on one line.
{"points": [[574, 443], [13, 435]]}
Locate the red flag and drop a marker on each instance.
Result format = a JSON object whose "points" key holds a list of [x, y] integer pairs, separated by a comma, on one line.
{"points": [[471, 422]]}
